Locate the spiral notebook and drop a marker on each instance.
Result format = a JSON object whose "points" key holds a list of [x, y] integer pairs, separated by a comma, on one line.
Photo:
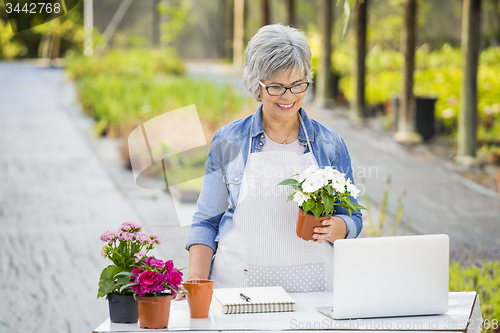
{"points": [[260, 299]]}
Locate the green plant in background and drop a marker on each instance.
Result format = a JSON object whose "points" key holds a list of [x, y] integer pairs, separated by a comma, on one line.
{"points": [[9, 49], [438, 73], [482, 276], [175, 19], [121, 105], [381, 228], [130, 64]]}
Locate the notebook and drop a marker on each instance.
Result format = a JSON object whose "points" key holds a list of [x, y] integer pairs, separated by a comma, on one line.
{"points": [[261, 299]]}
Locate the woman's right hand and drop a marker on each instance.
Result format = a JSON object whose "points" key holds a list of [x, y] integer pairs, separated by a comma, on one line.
{"points": [[179, 296]]}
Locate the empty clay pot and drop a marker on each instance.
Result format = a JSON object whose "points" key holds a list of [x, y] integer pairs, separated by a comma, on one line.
{"points": [[306, 224], [199, 297]]}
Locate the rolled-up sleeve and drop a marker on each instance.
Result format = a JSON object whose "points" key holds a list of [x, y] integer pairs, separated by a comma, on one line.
{"points": [[353, 224], [212, 202]]}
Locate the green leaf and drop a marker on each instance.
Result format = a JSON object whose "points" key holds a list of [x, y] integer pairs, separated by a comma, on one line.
{"points": [[307, 205], [125, 286], [289, 182], [106, 280], [328, 202], [317, 209], [290, 197], [357, 206]]}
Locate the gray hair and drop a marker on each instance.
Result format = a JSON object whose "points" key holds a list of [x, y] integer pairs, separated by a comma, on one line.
{"points": [[274, 50]]}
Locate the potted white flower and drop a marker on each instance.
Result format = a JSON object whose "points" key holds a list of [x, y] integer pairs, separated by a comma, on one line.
{"points": [[317, 191]]}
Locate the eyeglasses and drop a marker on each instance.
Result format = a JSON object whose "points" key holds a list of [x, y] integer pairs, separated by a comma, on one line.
{"points": [[278, 90]]}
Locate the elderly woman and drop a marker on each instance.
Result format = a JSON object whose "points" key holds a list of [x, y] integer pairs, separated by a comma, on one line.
{"points": [[243, 231]]}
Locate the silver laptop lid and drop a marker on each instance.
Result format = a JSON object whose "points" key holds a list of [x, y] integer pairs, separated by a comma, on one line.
{"points": [[390, 276]]}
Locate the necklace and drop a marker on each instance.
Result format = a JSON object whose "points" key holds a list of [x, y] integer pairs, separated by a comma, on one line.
{"points": [[284, 142]]}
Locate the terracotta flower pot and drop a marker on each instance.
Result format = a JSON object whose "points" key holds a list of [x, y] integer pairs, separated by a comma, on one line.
{"points": [[154, 312], [199, 297], [306, 224]]}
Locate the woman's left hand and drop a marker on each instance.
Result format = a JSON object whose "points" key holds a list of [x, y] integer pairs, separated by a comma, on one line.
{"points": [[333, 228]]}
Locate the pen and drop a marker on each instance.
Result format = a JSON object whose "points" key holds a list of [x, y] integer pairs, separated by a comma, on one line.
{"points": [[245, 297]]}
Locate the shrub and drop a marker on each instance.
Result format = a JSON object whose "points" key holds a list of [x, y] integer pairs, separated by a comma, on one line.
{"points": [[438, 73], [482, 276]]}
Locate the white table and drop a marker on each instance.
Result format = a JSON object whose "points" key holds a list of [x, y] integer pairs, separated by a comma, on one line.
{"points": [[464, 315]]}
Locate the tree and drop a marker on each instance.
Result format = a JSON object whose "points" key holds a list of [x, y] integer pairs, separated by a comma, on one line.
{"points": [[360, 67], [290, 12], [467, 118], [324, 93], [239, 26], [265, 17], [406, 132]]}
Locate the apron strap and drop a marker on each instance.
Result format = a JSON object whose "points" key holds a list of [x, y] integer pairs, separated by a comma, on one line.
{"points": [[303, 127], [305, 132]]}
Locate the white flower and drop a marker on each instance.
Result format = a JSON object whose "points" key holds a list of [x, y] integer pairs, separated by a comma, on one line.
{"points": [[352, 189], [311, 170], [300, 197], [339, 182], [320, 176], [330, 172], [312, 184]]}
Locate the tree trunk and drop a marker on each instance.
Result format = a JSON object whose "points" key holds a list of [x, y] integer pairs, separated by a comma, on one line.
{"points": [[360, 68], [324, 93], [239, 7], [406, 118], [467, 119], [228, 28], [155, 28], [265, 17], [290, 12]]}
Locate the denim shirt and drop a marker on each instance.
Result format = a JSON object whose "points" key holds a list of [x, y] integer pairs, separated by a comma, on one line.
{"points": [[226, 162]]}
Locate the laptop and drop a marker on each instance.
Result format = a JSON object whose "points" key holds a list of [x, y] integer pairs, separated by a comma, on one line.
{"points": [[389, 277]]}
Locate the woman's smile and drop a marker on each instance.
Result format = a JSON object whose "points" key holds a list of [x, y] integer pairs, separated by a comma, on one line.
{"points": [[284, 106]]}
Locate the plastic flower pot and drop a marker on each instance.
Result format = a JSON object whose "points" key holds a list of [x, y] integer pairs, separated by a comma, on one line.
{"points": [[199, 297], [122, 308], [154, 311], [306, 224]]}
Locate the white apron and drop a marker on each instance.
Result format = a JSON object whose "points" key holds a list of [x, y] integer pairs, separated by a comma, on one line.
{"points": [[262, 249]]}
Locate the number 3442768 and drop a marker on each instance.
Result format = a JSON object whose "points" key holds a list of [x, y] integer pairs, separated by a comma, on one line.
{"points": [[33, 8]]}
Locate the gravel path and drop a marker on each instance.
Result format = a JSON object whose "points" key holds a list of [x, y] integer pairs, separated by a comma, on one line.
{"points": [[56, 197]]}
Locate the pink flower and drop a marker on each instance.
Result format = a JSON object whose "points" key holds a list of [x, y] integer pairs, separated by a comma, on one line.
{"points": [[155, 239], [103, 251], [109, 236], [148, 260], [156, 263], [175, 278], [125, 236], [162, 278], [137, 271], [130, 226], [139, 255], [147, 278], [169, 265], [141, 237]]}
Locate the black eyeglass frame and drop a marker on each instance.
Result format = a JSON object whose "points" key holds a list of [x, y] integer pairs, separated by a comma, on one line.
{"points": [[286, 88]]}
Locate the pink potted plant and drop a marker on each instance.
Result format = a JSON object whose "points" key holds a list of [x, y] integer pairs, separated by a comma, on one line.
{"points": [[126, 248], [155, 283]]}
